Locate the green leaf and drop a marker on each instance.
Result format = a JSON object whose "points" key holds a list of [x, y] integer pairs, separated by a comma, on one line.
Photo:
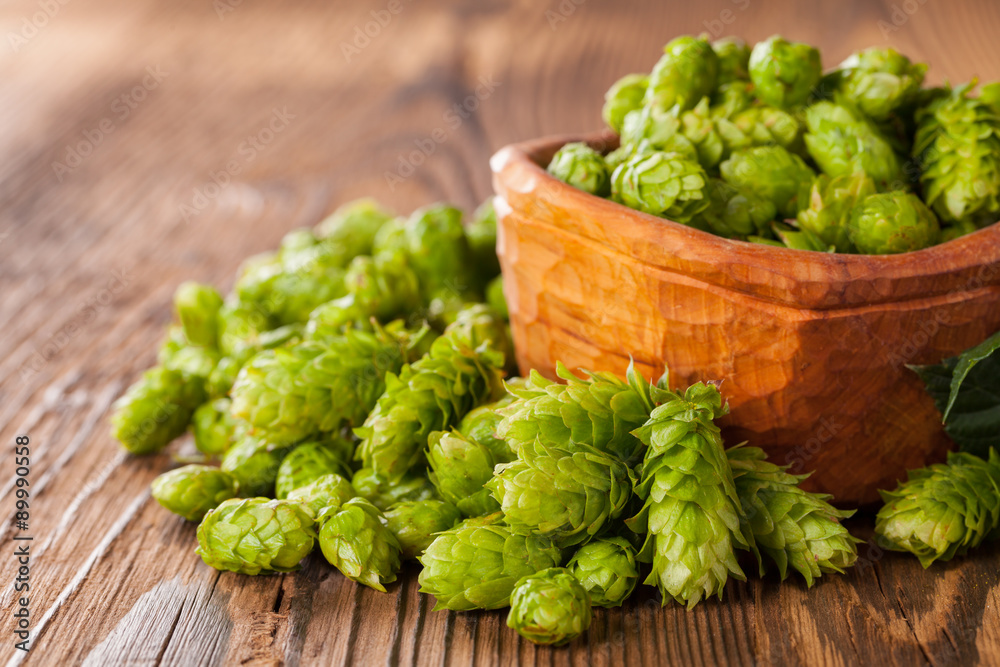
{"points": [[966, 389]]}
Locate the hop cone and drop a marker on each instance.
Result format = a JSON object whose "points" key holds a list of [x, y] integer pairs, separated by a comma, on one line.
{"points": [[461, 371], [354, 226], [460, 468], [732, 98], [691, 514], [383, 494], [735, 213], [255, 535], [355, 540], [416, 522], [892, 222], [600, 411], [305, 464], [648, 130], [784, 73], [685, 73], [194, 362], [155, 410], [481, 234], [331, 489], [254, 462], [482, 423], [791, 526], [549, 607], [213, 427], [831, 201], [438, 251], [495, 297], [607, 569], [663, 184], [567, 495], [880, 81], [579, 165], [761, 126], [625, 95], [476, 564], [220, 380], [197, 308], [773, 173], [958, 145], [193, 490], [734, 60], [312, 387], [842, 144], [943, 510]]}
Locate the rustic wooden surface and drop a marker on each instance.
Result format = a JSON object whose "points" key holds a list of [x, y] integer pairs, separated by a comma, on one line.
{"points": [[91, 249]]}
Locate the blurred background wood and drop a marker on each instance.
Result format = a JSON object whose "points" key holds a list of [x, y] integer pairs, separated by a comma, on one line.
{"points": [[149, 142]]}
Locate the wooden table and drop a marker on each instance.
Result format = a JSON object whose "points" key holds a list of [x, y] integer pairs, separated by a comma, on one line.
{"points": [[149, 142]]}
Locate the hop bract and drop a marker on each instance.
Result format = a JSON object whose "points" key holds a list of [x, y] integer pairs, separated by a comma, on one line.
{"points": [[549, 607]]}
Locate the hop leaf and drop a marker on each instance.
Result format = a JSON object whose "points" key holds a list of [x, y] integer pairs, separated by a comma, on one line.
{"points": [[579, 165], [892, 222], [842, 144], [193, 490], [600, 411], [213, 427], [549, 607], [155, 410], [686, 72], [831, 201], [691, 514], [789, 525], [567, 495], [255, 535], [330, 489], [607, 569], [784, 73], [774, 174], [476, 564], [958, 145], [416, 522], [625, 95], [943, 510], [305, 464], [355, 540], [254, 462], [383, 494]]}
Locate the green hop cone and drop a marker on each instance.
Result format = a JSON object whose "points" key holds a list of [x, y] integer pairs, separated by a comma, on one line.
{"points": [[761, 126], [322, 492], [958, 146], [476, 564], [155, 410], [736, 213], [482, 423], [382, 287], [892, 222], [880, 81], [662, 184], [570, 496], [194, 362], [254, 462], [383, 494], [600, 411], [245, 331], [784, 73], [648, 130], [460, 468], [416, 522], [495, 297], [831, 201], [691, 514], [734, 60], [355, 540], [462, 371], [625, 95], [319, 387], [957, 230], [842, 144], [685, 73], [773, 173], [791, 526], [549, 607], [222, 377], [439, 251], [305, 464], [197, 309], [943, 510], [213, 427], [354, 226], [607, 568], [256, 535], [579, 165], [481, 234], [193, 490], [731, 99]]}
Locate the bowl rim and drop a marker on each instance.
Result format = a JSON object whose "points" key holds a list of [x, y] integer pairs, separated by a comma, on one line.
{"points": [[957, 265]]}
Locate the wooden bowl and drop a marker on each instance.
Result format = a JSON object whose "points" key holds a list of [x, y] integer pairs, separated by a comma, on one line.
{"points": [[812, 347]]}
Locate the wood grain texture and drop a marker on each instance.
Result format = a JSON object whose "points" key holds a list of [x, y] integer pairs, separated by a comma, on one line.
{"points": [[812, 348], [90, 255]]}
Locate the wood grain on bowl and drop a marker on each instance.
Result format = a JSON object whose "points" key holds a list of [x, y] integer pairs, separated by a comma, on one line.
{"points": [[812, 348]]}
